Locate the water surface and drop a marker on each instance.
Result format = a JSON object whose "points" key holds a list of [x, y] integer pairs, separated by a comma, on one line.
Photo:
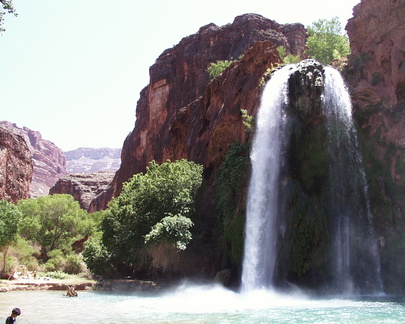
{"points": [[197, 304]]}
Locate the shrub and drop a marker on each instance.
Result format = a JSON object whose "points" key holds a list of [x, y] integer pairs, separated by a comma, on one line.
{"points": [[97, 258], [215, 69], [165, 190], [74, 264], [287, 58]]}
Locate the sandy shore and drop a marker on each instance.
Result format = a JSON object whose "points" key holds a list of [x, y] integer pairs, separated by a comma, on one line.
{"points": [[81, 284], [45, 284]]}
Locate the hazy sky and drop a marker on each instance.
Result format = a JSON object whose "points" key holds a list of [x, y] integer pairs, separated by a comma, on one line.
{"points": [[73, 69]]}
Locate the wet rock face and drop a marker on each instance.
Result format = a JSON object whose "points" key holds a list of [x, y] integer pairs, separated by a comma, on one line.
{"points": [[305, 88], [16, 166]]}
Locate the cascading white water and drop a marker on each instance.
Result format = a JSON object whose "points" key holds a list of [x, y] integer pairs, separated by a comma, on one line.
{"points": [[348, 209], [348, 190], [262, 205]]}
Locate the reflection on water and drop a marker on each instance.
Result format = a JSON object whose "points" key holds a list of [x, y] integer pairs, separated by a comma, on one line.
{"points": [[196, 304]]}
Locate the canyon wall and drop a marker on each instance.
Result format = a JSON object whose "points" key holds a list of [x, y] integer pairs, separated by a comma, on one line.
{"points": [[376, 76], [16, 166], [48, 160], [184, 114], [87, 159]]}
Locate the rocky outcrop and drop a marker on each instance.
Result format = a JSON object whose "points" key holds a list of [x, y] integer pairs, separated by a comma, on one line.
{"points": [[48, 160], [16, 166], [84, 187], [377, 41], [93, 160], [184, 114], [376, 74]]}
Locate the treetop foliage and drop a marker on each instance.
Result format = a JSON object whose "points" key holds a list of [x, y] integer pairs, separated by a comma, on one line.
{"points": [[327, 41], [54, 222], [6, 6], [10, 217]]}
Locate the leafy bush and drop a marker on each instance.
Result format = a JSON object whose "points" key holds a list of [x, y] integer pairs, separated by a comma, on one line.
{"points": [[54, 275], [10, 217], [74, 264], [247, 120], [326, 41], [171, 229], [165, 190], [215, 69], [287, 58], [97, 258]]}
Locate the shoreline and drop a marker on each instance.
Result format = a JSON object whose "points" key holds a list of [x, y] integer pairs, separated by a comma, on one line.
{"points": [[41, 284], [80, 284]]}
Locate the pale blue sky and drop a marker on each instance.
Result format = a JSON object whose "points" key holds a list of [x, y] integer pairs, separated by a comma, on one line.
{"points": [[73, 69]]}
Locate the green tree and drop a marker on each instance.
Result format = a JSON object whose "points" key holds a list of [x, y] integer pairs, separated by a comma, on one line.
{"points": [[54, 222], [6, 7], [326, 41], [10, 217], [166, 190], [173, 230]]}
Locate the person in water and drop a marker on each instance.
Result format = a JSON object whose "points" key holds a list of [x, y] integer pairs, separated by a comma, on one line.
{"points": [[12, 318]]}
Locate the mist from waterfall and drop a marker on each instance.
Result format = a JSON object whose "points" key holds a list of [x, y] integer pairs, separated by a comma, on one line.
{"points": [[262, 205], [354, 255]]}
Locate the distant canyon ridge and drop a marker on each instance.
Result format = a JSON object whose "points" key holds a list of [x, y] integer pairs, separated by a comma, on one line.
{"points": [[30, 165]]}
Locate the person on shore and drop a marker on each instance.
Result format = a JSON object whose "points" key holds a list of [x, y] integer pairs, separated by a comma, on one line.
{"points": [[12, 318]]}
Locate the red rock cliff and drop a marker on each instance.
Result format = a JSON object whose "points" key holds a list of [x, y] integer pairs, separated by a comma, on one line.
{"points": [[376, 73], [48, 160], [15, 166], [183, 114]]}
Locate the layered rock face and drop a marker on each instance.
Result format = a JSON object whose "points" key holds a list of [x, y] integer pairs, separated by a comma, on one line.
{"points": [[84, 187], [93, 160], [183, 114], [376, 73], [16, 166], [48, 160]]}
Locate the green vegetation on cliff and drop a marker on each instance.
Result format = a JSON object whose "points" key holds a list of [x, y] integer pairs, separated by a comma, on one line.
{"points": [[215, 69], [230, 197]]}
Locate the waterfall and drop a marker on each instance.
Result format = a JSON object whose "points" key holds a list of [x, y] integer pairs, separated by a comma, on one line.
{"points": [[262, 205], [355, 258], [354, 255]]}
